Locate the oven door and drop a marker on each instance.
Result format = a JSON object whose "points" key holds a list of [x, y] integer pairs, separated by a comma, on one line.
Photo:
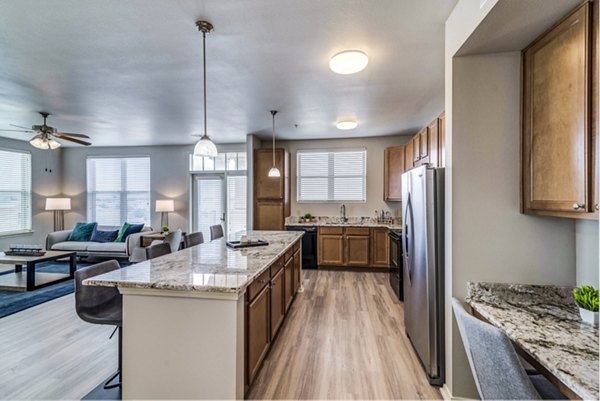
{"points": [[396, 265]]}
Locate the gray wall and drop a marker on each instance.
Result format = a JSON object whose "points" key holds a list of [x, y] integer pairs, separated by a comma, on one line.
{"points": [[491, 240], [170, 178], [375, 147], [586, 241], [44, 184]]}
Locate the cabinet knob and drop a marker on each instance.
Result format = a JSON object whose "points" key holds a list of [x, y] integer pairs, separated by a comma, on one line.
{"points": [[578, 206], [596, 206]]}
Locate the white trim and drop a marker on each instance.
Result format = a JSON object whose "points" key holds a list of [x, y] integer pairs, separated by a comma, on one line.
{"points": [[447, 395], [16, 233]]}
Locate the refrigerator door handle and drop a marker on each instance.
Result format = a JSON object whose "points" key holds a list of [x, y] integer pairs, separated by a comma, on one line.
{"points": [[408, 239]]}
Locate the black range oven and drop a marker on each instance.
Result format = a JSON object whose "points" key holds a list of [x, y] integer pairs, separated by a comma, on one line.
{"points": [[396, 262]]}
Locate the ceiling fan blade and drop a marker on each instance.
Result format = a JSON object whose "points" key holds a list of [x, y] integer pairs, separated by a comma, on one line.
{"points": [[66, 138], [18, 130], [19, 126], [71, 134]]}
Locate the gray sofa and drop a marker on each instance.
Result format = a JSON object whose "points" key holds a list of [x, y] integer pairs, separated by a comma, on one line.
{"points": [[57, 241]]}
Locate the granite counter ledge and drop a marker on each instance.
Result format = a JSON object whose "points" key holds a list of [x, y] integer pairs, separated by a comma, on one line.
{"points": [[210, 267], [543, 321]]}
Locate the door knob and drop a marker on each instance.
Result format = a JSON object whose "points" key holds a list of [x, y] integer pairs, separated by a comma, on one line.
{"points": [[578, 206]]}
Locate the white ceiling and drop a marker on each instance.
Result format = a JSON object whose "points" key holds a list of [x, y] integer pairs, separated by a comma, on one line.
{"points": [[129, 72]]}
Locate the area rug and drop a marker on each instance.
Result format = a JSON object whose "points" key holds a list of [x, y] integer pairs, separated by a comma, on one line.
{"points": [[16, 301]]}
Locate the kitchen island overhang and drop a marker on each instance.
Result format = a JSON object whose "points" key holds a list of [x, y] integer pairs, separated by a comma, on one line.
{"points": [[186, 319]]}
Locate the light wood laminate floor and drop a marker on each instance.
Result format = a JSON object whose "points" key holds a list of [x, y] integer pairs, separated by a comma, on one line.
{"points": [[344, 339], [47, 352]]}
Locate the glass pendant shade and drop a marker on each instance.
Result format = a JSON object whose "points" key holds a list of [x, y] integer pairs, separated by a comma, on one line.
{"points": [[39, 142], [274, 172], [205, 147], [53, 144]]}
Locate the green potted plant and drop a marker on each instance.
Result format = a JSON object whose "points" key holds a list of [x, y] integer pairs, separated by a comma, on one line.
{"points": [[308, 216], [165, 228], [586, 298]]}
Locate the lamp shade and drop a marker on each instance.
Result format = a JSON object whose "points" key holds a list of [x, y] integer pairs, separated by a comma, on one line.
{"points": [[58, 204], [165, 205]]}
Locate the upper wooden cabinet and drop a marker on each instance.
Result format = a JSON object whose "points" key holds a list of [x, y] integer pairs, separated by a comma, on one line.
{"points": [[557, 120], [408, 156], [271, 194], [393, 167], [265, 187]]}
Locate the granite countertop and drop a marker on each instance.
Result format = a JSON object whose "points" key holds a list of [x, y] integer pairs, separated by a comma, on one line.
{"points": [[327, 221], [544, 321], [209, 267]]}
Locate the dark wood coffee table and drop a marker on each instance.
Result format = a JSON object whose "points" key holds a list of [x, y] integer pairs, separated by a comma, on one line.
{"points": [[30, 280]]}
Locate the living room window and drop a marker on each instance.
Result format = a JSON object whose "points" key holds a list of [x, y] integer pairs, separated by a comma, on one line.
{"points": [[331, 175], [15, 192], [118, 190]]}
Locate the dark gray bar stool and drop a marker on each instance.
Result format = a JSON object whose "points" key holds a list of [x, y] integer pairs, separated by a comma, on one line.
{"points": [[216, 231], [100, 305], [192, 239], [496, 368], [157, 250]]}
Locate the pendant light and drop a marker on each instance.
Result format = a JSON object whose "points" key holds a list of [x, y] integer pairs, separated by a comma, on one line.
{"points": [[205, 146], [274, 171]]}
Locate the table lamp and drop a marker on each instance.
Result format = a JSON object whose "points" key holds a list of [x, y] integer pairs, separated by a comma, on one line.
{"points": [[58, 205], [164, 207]]}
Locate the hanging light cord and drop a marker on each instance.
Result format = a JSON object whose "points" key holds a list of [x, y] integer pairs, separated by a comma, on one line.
{"points": [[273, 114], [204, 64]]}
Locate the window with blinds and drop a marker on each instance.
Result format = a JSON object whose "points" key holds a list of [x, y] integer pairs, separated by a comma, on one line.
{"points": [[331, 176], [118, 190], [15, 191]]}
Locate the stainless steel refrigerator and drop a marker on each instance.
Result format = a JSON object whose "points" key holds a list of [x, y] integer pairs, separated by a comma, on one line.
{"points": [[423, 251]]}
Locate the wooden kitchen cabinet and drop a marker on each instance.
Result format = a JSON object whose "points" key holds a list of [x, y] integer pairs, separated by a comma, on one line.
{"points": [[557, 150], [258, 331], [271, 194], [297, 271], [380, 247], [393, 167], [357, 246], [330, 246], [408, 155], [424, 144], [289, 283], [278, 303], [416, 141]]}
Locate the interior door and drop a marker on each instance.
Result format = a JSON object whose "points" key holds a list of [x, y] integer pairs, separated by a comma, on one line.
{"points": [[209, 203], [236, 205]]}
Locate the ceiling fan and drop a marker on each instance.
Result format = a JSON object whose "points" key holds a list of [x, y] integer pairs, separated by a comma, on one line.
{"points": [[45, 135]]}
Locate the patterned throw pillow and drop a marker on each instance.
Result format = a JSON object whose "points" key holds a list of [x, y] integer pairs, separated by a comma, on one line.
{"points": [[82, 232]]}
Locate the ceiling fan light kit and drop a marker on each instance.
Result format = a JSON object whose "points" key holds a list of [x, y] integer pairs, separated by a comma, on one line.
{"points": [[205, 146]]}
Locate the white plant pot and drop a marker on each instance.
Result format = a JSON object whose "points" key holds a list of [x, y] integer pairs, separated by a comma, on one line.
{"points": [[588, 316]]}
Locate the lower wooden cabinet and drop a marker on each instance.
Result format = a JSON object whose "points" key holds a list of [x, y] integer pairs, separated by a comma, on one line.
{"points": [[357, 250], [258, 331], [380, 247], [289, 283], [330, 250], [277, 301], [297, 272], [269, 215]]}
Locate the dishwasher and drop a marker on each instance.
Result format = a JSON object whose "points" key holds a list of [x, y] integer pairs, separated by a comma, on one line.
{"points": [[309, 245]]}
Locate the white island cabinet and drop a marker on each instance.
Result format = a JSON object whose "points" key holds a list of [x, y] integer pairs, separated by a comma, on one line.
{"points": [[185, 328]]}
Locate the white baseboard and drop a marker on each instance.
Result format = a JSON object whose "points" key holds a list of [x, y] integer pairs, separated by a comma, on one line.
{"points": [[447, 395]]}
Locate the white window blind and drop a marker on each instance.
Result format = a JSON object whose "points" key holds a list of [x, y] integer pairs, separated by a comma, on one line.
{"points": [[236, 203], [15, 191], [332, 176], [230, 161], [118, 190]]}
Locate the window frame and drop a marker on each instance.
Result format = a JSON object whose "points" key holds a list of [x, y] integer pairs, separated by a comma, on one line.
{"points": [[123, 213], [29, 192], [331, 178]]}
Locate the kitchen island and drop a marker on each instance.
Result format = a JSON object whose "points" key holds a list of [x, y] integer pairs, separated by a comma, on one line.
{"points": [[544, 324], [197, 323]]}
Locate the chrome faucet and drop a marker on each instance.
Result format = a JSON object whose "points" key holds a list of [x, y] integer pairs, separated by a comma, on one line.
{"points": [[343, 213]]}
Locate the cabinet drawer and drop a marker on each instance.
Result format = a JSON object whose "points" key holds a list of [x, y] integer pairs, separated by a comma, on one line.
{"points": [[331, 230], [275, 267], [296, 246], [357, 231], [258, 284]]}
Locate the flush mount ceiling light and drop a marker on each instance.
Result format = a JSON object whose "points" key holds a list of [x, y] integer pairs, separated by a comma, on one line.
{"points": [[348, 62], [345, 125], [274, 171], [205, 146]]}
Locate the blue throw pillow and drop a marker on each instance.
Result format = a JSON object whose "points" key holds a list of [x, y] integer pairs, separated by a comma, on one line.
{"points": [[103, 236], [127, 230], [82, 232]]}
